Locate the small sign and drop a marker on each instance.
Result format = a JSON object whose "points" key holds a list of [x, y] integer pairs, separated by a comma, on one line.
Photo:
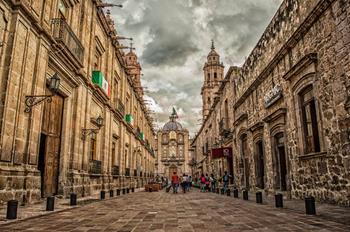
{"points": [[273, 95], [218, 153]]}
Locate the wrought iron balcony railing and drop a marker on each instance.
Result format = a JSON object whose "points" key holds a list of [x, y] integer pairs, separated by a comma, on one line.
{"points": [[62, 33], [120, 107], [115, 170], [127, 171], [224, 128], [95, 167]]}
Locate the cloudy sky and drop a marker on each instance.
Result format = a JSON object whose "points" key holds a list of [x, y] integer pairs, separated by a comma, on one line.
{"points": [[172, 39]]}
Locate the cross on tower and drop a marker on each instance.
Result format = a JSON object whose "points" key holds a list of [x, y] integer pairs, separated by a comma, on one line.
{"points": [[131, 46], [212, 45]]}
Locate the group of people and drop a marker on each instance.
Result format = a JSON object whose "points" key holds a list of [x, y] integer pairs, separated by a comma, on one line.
{"points": [[207, 183], [184, 181], [210, 183]]}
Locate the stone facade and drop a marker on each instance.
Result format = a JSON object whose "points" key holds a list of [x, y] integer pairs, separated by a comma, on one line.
{"points": [[60, 147], [289, 106], [173, 153]]}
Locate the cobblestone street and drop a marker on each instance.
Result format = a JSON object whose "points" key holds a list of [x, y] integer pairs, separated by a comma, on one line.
{"points": [[194, 211]]}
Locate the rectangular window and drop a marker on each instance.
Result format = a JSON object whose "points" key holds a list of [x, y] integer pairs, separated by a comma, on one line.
{"points": [[113, 154], [97, 61], [62, 9], [309, 121], [115, 92], [93, 147]]}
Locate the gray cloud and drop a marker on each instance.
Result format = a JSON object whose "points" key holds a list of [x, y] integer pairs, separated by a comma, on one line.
{"points": [[173, 39]]}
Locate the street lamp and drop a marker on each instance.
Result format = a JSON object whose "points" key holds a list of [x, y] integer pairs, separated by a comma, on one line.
{"points": [[32, 100], [86, 132]]}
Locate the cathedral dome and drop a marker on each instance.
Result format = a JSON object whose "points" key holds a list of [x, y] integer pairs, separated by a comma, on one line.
{"points": [[172, 125]]}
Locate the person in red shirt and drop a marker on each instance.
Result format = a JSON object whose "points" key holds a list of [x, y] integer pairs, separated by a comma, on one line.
{"points": [[175, 182]]}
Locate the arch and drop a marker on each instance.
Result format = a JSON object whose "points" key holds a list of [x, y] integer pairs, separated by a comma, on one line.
{"points": [[244, 164]]}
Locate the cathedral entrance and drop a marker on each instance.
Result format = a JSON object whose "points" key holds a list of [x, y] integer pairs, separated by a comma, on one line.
{"points": [[172, 169], [49, 148]]}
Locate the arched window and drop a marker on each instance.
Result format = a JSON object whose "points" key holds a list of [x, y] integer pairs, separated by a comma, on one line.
{"points": [[215, 75]]}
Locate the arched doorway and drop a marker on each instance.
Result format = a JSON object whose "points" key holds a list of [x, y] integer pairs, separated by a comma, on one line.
{"points": [[260, 164], [172, 169], [280, 163], [245, 162]]}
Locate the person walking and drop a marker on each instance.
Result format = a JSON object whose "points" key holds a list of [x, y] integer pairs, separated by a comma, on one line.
{"points": [[225, 180], [184, 183], [189, 183], [175, 182], [213, 181], [207, 183], [202, 181]]}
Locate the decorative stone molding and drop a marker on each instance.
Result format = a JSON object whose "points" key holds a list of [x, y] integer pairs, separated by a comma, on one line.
{"points": [[304, 62], [240, 118], [313, 155], [273, 96], [278, 113]]}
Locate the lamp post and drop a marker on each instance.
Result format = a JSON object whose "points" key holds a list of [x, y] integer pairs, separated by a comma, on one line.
{"points": [[88, 131], [33, 100]]}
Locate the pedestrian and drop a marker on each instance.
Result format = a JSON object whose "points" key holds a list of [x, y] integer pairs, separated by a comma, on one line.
{"points": [[202, 183], [213, 181], [184, 183], [175, 182], [189, 184], [225, 180], [207, 182]]}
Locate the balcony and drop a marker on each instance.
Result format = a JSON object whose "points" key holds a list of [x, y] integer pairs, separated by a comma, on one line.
{"points": [[127, 171], [224, 128], [95, 167], [120, 107], [115, 170], [64, 35]]}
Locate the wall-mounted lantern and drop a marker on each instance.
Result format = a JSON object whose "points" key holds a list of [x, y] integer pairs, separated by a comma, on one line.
{"points": [[86, 132], [32, 100]]}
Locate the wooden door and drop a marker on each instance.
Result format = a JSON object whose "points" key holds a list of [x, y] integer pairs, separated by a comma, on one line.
{"points": [[50, 156], [260, 165], [283, 168], [246, 165]]}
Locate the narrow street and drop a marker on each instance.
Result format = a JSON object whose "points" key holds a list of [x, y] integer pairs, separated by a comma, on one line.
{"points": [[160, 211]]}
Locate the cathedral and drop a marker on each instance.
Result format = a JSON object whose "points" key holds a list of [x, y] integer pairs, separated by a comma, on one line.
{"points": [[173, 148]]}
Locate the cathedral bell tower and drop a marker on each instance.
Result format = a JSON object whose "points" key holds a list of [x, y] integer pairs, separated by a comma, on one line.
{"points": [[134, 70], [213, 75]]}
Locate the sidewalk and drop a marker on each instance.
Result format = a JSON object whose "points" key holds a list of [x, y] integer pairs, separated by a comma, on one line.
{"points": [[327, 211], [61, 204]]}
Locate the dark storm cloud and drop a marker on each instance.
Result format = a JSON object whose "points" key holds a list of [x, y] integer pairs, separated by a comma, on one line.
{"points": [[172, 39], [173, 50]]}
